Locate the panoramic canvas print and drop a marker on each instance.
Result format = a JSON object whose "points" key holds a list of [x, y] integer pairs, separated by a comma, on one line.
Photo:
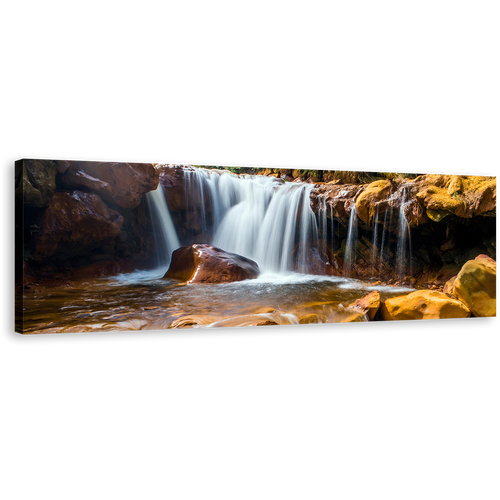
{"points": [[141, 246]]}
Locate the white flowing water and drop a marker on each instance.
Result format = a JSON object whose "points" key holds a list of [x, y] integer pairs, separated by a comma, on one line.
{"points": [[352, 237], [404, 252], [323, 226], [376, 236], [271, 222], [258, 217], [165, 234]]}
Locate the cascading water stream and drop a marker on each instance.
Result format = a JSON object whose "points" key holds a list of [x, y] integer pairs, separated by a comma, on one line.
{"points": [[323, 224], [258, 217], [271, 222], [268, 224], [164, 231], [404, 252], [375, 237], [352, 237]]}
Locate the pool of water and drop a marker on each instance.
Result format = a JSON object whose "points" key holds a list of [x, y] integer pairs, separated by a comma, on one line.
{"points": [[144, 301]]}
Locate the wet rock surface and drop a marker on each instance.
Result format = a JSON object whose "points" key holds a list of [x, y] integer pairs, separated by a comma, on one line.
{"points": [[35, 182], [73, 223], [72, 243], [367, 305], [121, 184], [475, 286], [423, 304], [207, 264], [85, 222], [450, 219]]}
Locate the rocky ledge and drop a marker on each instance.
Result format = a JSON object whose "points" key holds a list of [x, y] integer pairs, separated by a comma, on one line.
{"points": [[452, 219], [73, 214], [425, 198]]}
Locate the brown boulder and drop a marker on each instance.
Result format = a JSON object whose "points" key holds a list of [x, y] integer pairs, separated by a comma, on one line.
{"points": [[122, 184], [423, 304], [207, 264], [369, 304], [73, 223], [475, 285]]}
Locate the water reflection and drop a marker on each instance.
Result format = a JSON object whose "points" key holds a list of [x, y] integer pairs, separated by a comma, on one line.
{"points": [[142, 300]]}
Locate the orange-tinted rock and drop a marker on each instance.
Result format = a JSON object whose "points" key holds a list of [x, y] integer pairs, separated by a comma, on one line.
{"points": [[430, 197], [463, 196], [449, 287], [73, 223], [371, 197], [423, 304], [207, 264], [369, 304], [312, 318], [475, 286], [122, 184]]}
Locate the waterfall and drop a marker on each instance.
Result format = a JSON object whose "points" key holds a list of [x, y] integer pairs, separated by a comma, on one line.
{"points": [[271, 221], [375, 238], [352, 237], [404, 239], [164, 231], [323, 224], [386, 237], [267, 226], [259, 217], [332, 229]]}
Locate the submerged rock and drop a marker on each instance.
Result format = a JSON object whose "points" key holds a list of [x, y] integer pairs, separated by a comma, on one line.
{"points": [[475, 286], [369, 304], [312, 318], [423, 304], [207, 264]]}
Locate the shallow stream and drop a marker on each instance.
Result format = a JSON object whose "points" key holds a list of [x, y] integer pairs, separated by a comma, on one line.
{"points": [[143, 301]]}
